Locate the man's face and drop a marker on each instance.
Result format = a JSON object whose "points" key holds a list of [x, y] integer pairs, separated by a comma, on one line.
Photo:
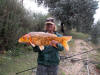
{"points": [[50, 27]]}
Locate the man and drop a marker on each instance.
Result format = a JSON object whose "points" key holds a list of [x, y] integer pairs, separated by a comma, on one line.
{"points": [[48, 59]]}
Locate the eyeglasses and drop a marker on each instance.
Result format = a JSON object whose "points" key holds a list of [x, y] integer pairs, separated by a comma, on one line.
{"points": [[50, 20], [49, 24]]}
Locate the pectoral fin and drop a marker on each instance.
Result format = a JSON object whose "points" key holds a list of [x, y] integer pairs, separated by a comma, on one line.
{"points": [[32, 44], [41, 48]]}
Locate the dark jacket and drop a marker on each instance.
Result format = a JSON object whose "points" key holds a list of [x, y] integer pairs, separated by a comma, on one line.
{"points": [[50, 55]]}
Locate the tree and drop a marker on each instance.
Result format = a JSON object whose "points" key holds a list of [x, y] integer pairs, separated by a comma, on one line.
{"points": [[16, 21], [95, 34], [73, 13], [10, 16], [38, 22]]}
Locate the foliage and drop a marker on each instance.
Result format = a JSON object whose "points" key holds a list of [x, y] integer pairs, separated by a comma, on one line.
{"points": [[12, 65], [16, 21], [95, 34], [14, 52], [10, 16], [38, 21], [78, 35], [73, 13]]}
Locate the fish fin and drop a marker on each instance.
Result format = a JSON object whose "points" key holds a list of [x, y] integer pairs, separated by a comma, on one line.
{"points": [[20, 40], [41, 48], [32, 44], [66, 47], [67, 38], [64, 43]]}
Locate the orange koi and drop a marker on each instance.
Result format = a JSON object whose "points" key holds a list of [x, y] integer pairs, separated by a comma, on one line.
{"points": [[42, 39]]}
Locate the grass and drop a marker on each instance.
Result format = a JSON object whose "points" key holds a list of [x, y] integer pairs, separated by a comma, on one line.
{"points": [[78, 35], [61, 72], [96, 58], [12, 65]]}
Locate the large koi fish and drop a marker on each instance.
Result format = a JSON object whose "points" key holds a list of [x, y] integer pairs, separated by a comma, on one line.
{"points": [[42, 39]]}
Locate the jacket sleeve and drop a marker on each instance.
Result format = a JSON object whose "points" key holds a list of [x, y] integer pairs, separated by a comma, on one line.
{"points": [[60, 47], [36, 48]]}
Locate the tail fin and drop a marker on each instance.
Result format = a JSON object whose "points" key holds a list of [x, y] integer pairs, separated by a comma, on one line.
{"points": [[65, 40]]}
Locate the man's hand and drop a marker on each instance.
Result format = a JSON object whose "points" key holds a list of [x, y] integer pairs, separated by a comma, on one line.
{"points": [[53, 43]]}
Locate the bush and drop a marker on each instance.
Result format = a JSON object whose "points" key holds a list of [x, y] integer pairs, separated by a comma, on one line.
{"points": [[14, 52], [19, 50]]}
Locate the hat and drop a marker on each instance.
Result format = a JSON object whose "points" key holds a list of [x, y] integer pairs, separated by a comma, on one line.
{"points": [[49, 23], [50, 19]]}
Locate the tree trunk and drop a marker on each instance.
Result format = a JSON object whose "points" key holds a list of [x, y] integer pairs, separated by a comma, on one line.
{"points": [[68, 27], [62, 28]]}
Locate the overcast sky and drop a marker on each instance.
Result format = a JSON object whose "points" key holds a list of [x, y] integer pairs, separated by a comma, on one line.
{"points": [[32, 6], [97, 15]]}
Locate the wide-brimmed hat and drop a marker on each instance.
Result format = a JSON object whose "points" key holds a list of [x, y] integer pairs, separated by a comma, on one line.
{"points": [[46, 23], [52, 23]]}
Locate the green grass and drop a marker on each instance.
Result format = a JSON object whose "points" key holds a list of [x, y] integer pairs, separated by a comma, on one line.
{"points": [[11, 65], [98, 66], [61, 72], [78, 35], [96, 58]]}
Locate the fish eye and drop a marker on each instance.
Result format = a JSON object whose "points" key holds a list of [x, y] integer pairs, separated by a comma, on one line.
{"points": [[24, 38]]}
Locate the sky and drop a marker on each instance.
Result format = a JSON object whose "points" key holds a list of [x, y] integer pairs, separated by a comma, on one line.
{"points": [[33, 7], [97, 15]]}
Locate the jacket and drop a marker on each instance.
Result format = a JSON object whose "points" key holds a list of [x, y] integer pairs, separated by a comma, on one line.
{"points": [[50, 54]]}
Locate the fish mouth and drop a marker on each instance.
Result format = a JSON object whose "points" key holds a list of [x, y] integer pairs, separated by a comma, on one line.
{"points": [[20, 41]]}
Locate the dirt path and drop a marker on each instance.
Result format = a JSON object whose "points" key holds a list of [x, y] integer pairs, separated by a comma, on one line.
{"points": [[77, 68]]}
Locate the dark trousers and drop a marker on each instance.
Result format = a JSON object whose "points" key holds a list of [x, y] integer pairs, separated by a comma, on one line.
{"points": [[46, 70]]}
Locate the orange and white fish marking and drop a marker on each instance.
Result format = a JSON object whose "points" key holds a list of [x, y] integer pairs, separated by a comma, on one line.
{"points": [[42, 39]]}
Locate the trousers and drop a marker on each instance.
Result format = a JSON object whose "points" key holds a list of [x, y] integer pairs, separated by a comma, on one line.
{"points": [[47, 70]]}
